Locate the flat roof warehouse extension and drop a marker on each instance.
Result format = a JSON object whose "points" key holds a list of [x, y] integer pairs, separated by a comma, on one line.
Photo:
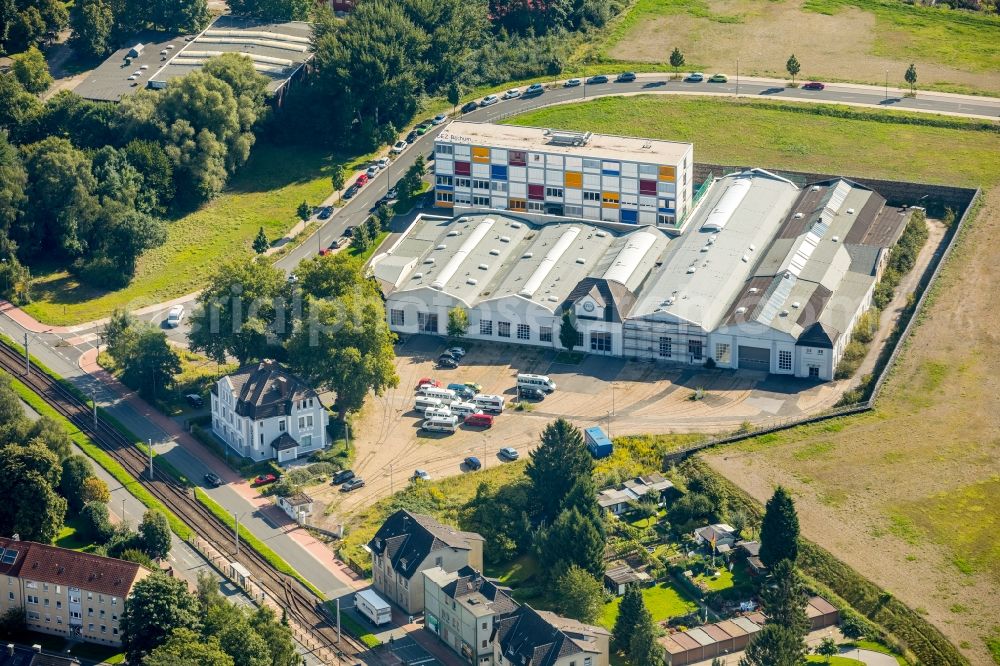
{"points": [[764, 276]]}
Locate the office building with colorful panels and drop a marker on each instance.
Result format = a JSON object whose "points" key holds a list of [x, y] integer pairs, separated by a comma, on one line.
{"points": [[569, 174]]}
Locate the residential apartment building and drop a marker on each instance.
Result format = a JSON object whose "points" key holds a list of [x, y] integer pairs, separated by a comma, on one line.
{"points": [[65, 592], [408, 544], [262, 411], [538, 638], [461, 608], [573, 174]]}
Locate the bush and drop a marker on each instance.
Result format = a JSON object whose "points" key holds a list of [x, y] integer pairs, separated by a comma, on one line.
{"points": [[94, 516], [867, 326]]}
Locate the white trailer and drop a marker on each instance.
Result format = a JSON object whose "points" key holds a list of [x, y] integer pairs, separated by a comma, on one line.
{"points": [[374, 607]]}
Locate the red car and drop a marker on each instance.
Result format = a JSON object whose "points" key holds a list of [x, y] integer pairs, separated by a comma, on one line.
{"points": [[361, 181], [479, 420], [428, 381], [813, 85], [264, 479]]}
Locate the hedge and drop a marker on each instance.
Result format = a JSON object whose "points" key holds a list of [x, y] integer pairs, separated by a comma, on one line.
{"points": [[101, 457], [251, 540]]}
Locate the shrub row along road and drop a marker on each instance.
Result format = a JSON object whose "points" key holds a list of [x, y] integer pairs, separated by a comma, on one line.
{"points": [[301, 604]]}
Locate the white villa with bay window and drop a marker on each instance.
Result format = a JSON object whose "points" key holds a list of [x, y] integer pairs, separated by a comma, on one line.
{"points": [[264, 412]]}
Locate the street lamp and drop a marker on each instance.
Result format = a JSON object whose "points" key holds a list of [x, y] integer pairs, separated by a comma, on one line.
{"points": [[737, 77], [887, 85]]}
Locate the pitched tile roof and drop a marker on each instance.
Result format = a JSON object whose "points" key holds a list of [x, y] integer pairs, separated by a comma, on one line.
{"points": [[471, 587], [59, 566], [266, 389], [538, 638], [408, 538]]}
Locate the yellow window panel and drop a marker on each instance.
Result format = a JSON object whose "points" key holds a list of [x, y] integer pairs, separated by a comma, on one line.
{"points": [[480, 154], [517, 204], [444, 204], [574, 179], [668, 173]]}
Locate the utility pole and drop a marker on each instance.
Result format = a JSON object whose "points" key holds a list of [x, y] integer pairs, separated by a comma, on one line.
{"points": [[93, 399], [124, 520], [392, 485], [338, 621], [237, 517], [887, 85], [149, 442], [27, 357], [737, 77]]}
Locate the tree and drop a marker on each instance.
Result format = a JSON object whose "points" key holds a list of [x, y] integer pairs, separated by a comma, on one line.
{"points": [[644, 648], [243, 644], [409, 185], [260, 243], [630, 615], [911, 77], [149, 362], [361, 238], [676, 59], [793, 67], [345, 346], [13, 180], [338, 179], [556, 465], [690, 508], [569, 337], [774, 645], [458, 322], [97, 521], [185, 647], [155, 533], [328, 277], [384, 215], [50, 434], [126, 234], [32, 509], [93, 22], [779, 532], [303, 211], [32, 71], [151, 160], [738, 521], [241, 312], [95, 490], [572, 539], [27, 29], [76, 470], [783, 598], [579, 595], [827, 648], [274, 10], [277, 636], [157, 607], [17, 106], [454, 96]]}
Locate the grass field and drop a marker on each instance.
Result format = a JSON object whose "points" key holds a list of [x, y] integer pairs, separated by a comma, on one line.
{"points": [[265, 193], [663, 601], [833, 661], [907, 495], [953, 50], [72, 536]]}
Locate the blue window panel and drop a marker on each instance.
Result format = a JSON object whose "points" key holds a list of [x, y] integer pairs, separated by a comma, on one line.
{"points": [[610, 172], [629, 215], [668, 211], [498, 172], [444, 188]]}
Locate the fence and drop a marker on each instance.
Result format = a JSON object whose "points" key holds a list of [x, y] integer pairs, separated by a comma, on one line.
{"points": [[952, 196]]}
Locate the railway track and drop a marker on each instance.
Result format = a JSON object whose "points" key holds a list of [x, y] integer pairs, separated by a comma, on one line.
{"points": [[302, 605]]}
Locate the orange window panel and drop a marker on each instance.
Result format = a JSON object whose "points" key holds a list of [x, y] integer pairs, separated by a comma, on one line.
{"points": [[517, 204], [574, 179], [444, 204], [609, 200], [668, 173], [480, 154]]}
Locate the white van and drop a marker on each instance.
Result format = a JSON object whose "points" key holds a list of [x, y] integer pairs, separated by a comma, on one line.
{"points": [[489, 403], [440, 424], [463, 409], [422, 403], [443, 411], [373, 607], [442, 394], [536, 381]]}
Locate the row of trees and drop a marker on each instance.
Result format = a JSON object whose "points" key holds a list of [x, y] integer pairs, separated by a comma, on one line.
{"points": [[329, 324], [141, 350], [26, 23], [165, 625], [95, 200], [99, 26]]}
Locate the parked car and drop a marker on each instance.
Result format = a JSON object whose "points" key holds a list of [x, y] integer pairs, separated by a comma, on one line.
{"points": [[572, 83], [353, 484], [362, 180], [212, 480], [424, 126], [489, 100], [718, 78], [479, 420], [195, 400], [533, 90], [695, 77], [508, 453], [342, 476], [447, 362], [531, 393], [174, 316], [625, 77], [439, 118], [427, 381], [325, 212], [391, 194], [813, 85], [597, 78], [351, 191], [457, 352], [470, 106], [421, 474], [372, 170], [472, 462], [349, 230], [398, 147], [512, 93], [478, 388], [264, 479], [412, 136], [382, 163], [462, 391], [340, 242]]}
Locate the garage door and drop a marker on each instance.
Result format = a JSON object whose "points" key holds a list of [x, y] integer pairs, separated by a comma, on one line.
{"points": [[755, 358]]}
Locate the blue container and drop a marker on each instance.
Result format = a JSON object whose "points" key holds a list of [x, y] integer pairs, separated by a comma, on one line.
{"points": [[598, 443]]}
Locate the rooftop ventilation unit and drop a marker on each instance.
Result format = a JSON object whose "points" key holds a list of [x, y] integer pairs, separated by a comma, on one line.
{"points": [[554, 299], [784, 313], [527, 255], [505, 239], [705, 248], [835, 239], [601, 234], [796, 305], [580, 260], [429, 260], [815, 188], [669, 301], [495, 252], [753, 247], [472, 281], [417, 276], [565, 138], [745, 258], [692, 269], [740, 310], [850, 211], [515, 225], [484, 267], [798, 216], [753, 290], [442, 246], [454, 232]]}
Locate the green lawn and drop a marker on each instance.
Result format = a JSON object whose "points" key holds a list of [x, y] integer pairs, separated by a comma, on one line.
{"points": [[663, 601], [73, 537], [833, 661], [878, 647], [515, 572], [726, 579], [264, 193], [367, 254], [800, 137]]}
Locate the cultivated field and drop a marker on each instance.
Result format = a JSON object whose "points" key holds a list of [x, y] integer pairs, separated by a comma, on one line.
{"points": [[908, 495], [857, 40]]}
